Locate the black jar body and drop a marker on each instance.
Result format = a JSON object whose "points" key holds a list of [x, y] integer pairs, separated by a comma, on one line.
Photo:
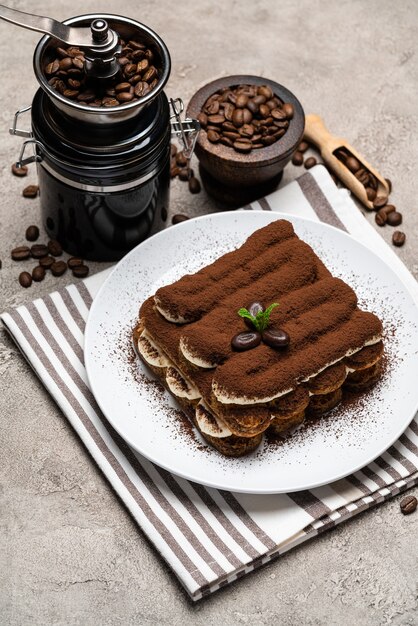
{"points": [[103, 190]]}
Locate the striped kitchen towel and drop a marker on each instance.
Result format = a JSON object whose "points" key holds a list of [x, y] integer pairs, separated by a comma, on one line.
{"points": [[207, 536]]}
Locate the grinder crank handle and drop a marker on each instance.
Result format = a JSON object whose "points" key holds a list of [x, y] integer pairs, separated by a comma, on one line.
{"points": [[97, 36]]}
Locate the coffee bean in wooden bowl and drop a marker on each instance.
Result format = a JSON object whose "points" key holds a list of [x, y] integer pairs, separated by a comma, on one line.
{"points": [[251, 126]]}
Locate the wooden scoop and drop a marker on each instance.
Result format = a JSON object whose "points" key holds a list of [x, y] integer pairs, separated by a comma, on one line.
{"points": [[316, 133]]}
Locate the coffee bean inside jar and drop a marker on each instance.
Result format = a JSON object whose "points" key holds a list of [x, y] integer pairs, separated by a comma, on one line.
{"points": [[136, 78], [245, 117]]}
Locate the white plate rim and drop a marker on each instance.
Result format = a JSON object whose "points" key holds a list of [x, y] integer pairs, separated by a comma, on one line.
{"points": [[208, 483]]}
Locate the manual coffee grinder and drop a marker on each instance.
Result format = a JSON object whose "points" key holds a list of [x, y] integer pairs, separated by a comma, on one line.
{"points": [[104, 172]]}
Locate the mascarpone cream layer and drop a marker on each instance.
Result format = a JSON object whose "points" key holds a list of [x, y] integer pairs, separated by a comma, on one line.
{"points": [[170, 318], [209, 424], [180, 386], [150, 352], [229, 398]]}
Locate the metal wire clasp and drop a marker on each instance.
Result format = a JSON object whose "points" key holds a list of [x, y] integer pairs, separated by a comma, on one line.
{"points": [[186, 130], [14, 130]]}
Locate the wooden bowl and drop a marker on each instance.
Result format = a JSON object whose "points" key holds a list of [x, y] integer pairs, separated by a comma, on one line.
{"points": [[261, 165]]}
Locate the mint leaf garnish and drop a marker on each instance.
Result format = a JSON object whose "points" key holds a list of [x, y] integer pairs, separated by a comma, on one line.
{"points": [[261, 320]]}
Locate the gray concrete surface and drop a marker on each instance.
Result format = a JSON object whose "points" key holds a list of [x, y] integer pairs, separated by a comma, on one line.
{"points": [[69, 552]]}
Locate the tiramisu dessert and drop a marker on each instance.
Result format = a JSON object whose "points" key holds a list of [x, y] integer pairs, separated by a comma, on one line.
{"points": [[260, 339]]}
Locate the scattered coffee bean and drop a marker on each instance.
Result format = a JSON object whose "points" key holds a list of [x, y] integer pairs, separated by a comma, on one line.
{"points": [[174, 171], [80, 271], [137, 76], [38, 273], [408, 505], [46, 262], [389, 208], [276, 338], [25, 279], [21, 253], [381, 217], [54, 247], [194, 185], [245, 117], [19, 171], [310, 162], [183, 173], [173, 149], [398, 238], [1, 264], [74, 261], [178, 218], [32, 233], [303, 146], [31, 191], [38, 250], [389, 184], [246, 341], [394, 218], [297, 158], [181, 159], [59, 268], [380, 202]]}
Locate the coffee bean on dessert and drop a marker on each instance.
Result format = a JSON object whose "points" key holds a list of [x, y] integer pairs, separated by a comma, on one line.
{"points": [[246, 341], [353, 164], [389, 184], [394, 218], [303, 146], [398, 238], [38, 250], [380, 202], [371, 193], [19, 171], [276, 338], [381, 217], [254, 308], [31, 191], [54, 247], [21, 253], [408, 505], [25, 279], [46, 262], [38, 273], [74, 261], [310, 162], [59, 268], [178, 218], [32, 233], [181, 159], [80, 271], [297, 158], [194, 185]]}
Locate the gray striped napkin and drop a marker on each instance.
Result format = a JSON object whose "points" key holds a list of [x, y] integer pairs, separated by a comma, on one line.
{"points": [[209, 537]]}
